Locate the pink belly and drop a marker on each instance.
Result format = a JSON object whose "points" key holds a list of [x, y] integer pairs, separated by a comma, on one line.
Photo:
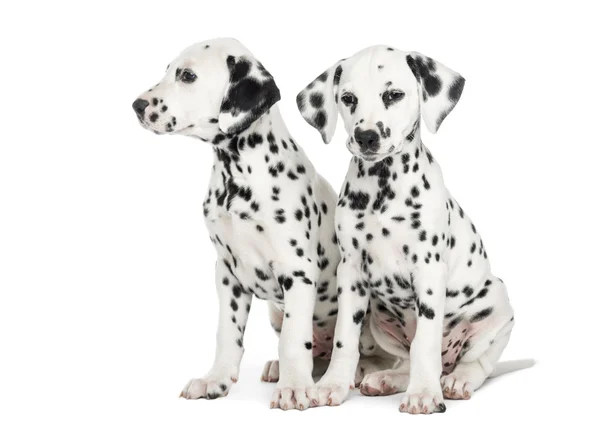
{"points": [[322, 342], [452, 343]]}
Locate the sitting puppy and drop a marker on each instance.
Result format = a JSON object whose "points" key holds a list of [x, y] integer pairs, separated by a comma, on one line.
{"points": [[269, 214], [406, 243]]}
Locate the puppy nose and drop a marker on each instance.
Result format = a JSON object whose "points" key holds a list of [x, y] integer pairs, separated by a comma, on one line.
{"points": [[139, 106], [368, 140]]}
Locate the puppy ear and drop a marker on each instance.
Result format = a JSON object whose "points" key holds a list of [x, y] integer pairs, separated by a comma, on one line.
{"points": [[250, 93], [440, 88], [318, 101]]}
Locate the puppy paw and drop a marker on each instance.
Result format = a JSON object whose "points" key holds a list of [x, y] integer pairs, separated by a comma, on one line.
{"points": [[293, 397], [384, 383], [456, 387], [210, 387], [332, 392], [460, 384], [270, 371], [423, 401]]}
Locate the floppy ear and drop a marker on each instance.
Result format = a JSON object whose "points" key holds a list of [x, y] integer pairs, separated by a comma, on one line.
{"points": [[440, 88], [318, 101], [250, 93]]}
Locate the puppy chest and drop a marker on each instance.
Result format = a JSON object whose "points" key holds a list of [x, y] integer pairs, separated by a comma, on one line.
{"points": [[247, 252]]}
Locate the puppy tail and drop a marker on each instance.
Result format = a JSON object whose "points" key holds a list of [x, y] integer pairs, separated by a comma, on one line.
{"points": [[511, 366]]}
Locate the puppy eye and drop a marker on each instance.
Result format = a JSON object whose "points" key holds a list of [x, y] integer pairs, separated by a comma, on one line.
{"points": [[188, 76], [349, 99], [392, 96]]}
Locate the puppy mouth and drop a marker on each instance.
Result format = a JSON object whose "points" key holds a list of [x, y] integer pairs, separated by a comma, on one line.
{"points": [[369, 156], [166, 129]]}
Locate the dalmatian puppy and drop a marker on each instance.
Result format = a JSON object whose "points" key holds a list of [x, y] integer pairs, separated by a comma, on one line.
{"points": [[269, 214], [410, 253]]}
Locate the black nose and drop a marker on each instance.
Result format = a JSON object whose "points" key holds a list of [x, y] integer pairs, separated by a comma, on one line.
{"points": [[139, 106], [368, 140]]}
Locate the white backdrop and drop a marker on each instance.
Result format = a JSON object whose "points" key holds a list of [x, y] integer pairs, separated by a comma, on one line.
{"points": [[107, 302]]}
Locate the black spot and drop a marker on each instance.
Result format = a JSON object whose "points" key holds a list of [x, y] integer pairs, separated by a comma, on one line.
{"points": [[481, 315], [426, 311], [233, 305], [316, 100], [358, 200], [285, 282], [308, 345], [320, 119], [238, 70], [339, 344], [254, 139], [261, 275], [453, 323], [433, 85], [456, 88], [358, 316], [337, 75]]}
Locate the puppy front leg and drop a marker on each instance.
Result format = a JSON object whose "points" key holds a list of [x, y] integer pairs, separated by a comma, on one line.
{"points": [[353, 299], [234, 307], [424, 393], [295, 387]]}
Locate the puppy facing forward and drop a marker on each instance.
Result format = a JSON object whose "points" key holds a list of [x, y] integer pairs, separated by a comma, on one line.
{"points": [[268, 212], [434, 302]]}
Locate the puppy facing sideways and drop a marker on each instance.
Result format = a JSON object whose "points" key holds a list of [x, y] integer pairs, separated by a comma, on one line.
{"points": [[269, 215], [406, 244]]}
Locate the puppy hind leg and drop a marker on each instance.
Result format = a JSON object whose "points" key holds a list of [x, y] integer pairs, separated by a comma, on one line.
{"points": [[387, 380], [470, 372], [372, 357]]}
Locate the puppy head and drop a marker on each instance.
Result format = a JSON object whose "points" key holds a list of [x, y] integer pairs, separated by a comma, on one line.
{"points": [[212, 86], [381, 93]]}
